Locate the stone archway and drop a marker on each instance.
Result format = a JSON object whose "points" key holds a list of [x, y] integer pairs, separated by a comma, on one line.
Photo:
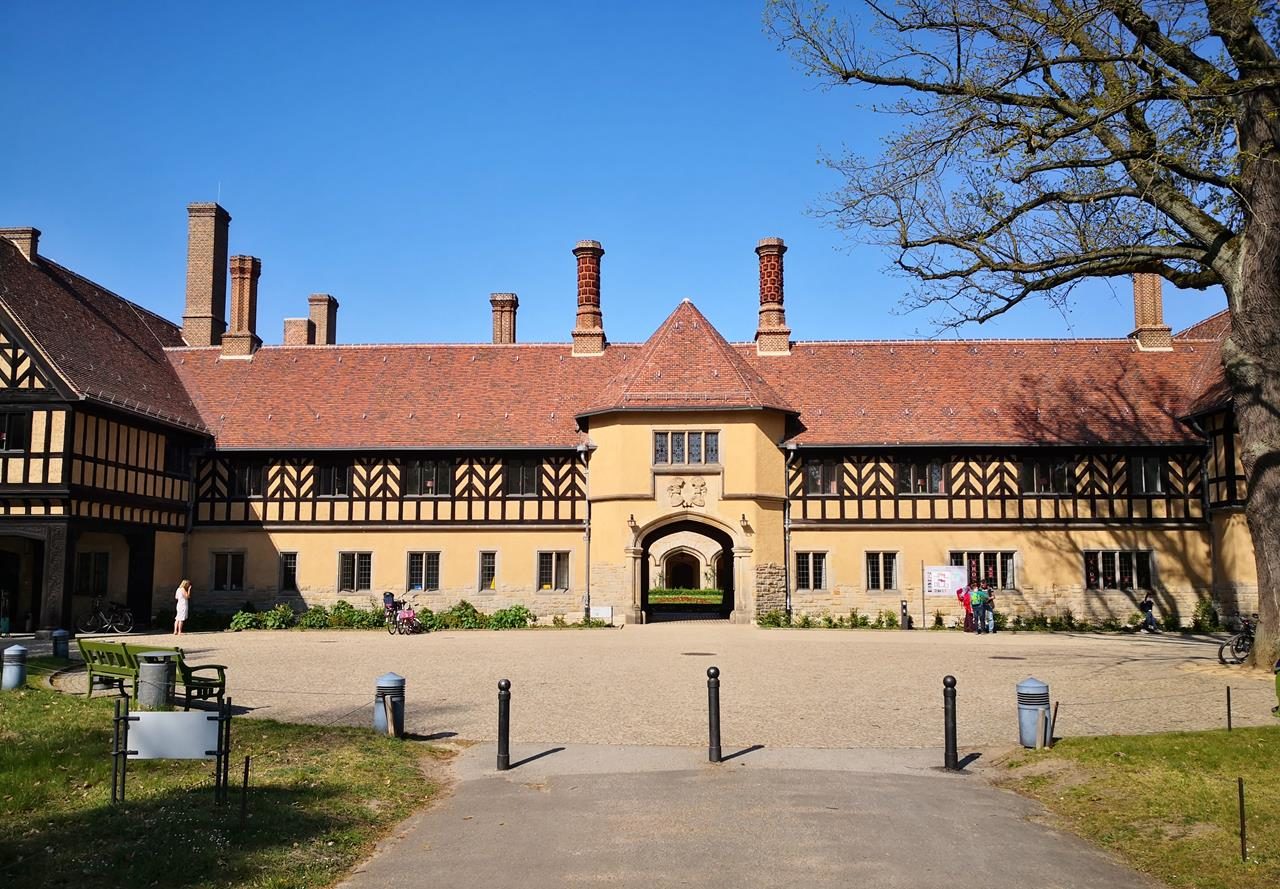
{"points": [[719, 550], [682, 571]]}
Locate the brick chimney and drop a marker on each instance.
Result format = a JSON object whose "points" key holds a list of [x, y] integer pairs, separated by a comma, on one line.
{"points": [[588, 332], [299, 332], [773, 337], [204, 320], [324, 315], [504, 316], [1150, 332], [25, 239], [241, 340]]}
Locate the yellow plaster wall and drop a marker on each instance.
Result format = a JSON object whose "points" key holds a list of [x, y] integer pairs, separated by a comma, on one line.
{"points": [[1235, 570], [117, 570]]}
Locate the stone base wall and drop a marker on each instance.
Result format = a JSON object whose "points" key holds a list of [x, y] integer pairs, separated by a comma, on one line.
{"points": [[771, 588]]}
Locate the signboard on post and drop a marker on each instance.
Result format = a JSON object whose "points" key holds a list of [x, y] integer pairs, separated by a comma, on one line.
{"points": [[944, 580]]}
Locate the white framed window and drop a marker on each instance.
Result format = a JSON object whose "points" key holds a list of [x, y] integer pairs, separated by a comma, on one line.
{"points": [[228, 572], [811, 571], [1118, 569], [696, 448], [355, 572], [998, 568], [488, 579], [289, 572], [423, 571], [553, 570], [882, 571], [1146, 475]]}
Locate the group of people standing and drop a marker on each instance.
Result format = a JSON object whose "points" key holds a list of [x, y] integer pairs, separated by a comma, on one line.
{"points": [[979, 601]]}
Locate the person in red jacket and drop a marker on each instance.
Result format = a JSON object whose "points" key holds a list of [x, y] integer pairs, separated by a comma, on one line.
{"points": [[962, 596]]}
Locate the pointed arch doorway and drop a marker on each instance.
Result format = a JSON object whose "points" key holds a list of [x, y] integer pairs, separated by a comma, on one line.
{"points": [[705, 561]]}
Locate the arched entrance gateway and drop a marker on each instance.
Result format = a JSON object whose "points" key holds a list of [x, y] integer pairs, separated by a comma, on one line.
{"points": [[702, 560]]}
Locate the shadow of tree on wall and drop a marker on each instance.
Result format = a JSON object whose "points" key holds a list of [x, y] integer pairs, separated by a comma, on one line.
{"points": [[1085, 422]]}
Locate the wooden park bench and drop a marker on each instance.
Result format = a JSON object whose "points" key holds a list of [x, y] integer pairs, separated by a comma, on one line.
{"points": [[193, 685], [114, 662], [107, 662]]}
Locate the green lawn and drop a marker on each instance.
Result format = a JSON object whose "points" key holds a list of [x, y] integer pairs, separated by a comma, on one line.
{"points": [[319, 799], [1167, 803], [686, 597]]}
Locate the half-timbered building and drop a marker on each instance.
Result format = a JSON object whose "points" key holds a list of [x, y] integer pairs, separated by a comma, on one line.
{"points": [[813, 476]]}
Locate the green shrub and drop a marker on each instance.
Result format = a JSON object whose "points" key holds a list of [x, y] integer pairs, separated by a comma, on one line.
{"points": [[246, 620], [1002, 621], [1111, 625], [314, 618], [1170, 621], [516, 617], [939, 623], [462, 616], [559, 621], [279, 618], [804, 622], [591, 622], [890, 620], [1205, 618], [774, 618]]}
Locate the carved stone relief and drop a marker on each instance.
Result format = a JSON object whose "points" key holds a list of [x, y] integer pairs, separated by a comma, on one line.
{"points": [[686, 494]]}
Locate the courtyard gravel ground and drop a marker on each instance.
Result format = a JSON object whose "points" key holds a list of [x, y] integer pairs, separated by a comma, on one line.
{"points": [[646, 685]]}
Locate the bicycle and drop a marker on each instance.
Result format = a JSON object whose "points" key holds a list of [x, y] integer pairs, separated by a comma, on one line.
{"points": [[1236, 649], [115, 618]]}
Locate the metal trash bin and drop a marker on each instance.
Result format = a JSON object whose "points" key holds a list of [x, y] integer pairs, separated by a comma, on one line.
{"points": [[59, 638], [15, 667], [157, 679], [388, 701], [1033, 713]]}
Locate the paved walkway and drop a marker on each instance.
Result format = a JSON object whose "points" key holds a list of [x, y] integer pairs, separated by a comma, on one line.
{"points": [[656, 817], [646, 685]]}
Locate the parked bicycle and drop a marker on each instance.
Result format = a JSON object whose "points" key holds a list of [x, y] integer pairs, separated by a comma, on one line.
{"points": [[399, 616], [113, 618], [1236, 649]]}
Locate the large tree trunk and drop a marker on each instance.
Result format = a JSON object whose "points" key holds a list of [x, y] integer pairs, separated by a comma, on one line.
{"points": [[1252, 353]]}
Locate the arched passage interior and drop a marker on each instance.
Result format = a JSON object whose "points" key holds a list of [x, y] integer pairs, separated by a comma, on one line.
{"points": [[721, 559]]}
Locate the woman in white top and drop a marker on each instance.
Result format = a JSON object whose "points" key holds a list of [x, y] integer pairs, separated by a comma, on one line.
{"points": [[183, 598]]}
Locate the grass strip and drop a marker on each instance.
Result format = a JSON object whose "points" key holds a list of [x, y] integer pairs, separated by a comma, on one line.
{"points": [[1167, 803], [319, 798]]}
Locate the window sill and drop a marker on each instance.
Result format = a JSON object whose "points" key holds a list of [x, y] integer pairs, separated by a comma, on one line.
{"points": [[686, 468]]}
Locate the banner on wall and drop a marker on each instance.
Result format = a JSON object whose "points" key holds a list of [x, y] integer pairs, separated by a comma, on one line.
{"points": [[944, 580]]}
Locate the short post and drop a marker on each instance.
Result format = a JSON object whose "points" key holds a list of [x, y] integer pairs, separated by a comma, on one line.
{"points": [[904, 616], [60, 644], [15, 667], [1228, 708], [950, 757], [713, 713], [244, 794], [504, 725], [388, 705], [1244, 845]]}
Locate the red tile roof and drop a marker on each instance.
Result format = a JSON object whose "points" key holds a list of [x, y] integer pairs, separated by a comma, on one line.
{"points": [[686, 364], [1215, 327], [984, 392], [107, 348], [1209, 390]]}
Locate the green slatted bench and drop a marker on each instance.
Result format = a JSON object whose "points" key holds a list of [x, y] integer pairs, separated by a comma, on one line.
{"points": [[109, 663]]}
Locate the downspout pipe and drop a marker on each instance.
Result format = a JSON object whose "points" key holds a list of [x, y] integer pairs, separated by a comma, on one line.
{"points": [[584, 454], [790, 456]]}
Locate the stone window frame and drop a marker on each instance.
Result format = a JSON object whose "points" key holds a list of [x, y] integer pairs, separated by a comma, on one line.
{"points": [[426, 571], [1013, 563], [286, 570], [228, 554], [896, 556], [1117, 566], [356, 557], [555, 561], [493, 583], [808, 554], [685, 462]]}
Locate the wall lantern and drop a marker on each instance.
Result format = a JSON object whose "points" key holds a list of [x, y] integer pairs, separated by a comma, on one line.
{"points": [[745, 524], [631, 522]]}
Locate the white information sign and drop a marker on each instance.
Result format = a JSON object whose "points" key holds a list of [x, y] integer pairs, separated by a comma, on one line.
{"points": [[173, 735], [944, 580], [602, 612]]}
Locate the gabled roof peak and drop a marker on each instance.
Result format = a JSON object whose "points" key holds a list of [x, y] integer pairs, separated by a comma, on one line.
{"points": [[686, 364]]}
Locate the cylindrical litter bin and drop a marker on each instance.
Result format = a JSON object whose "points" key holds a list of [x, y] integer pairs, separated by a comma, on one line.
{"points": [[156, 672], [15, 667], [1033, 713], [389, 701], [60, 638]]}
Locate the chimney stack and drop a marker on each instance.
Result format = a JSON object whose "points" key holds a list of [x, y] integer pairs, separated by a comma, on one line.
{"points": [[204, 320], [1150, 332], [588, 332], [25, 239], [299, 332], [504, 316], [241, 341], [773, 337], [324, 315]]}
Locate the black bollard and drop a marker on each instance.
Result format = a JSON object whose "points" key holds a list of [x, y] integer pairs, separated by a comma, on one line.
{"points": [[951, 759], [713, 713], [504, 725]]}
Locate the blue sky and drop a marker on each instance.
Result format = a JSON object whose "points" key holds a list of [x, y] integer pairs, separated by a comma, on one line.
{"points": [[410, 158]]}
